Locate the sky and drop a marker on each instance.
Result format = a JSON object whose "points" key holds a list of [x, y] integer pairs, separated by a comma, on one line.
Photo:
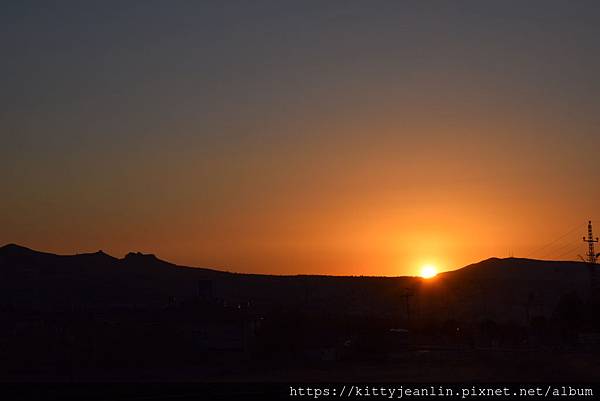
{"points": [[301, 137]]}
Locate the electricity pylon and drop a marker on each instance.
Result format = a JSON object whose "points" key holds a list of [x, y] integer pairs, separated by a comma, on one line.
{"points": [[592, 260]]}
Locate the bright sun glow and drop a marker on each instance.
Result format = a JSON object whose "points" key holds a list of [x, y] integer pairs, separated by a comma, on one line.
{"points": [[428, 271]]}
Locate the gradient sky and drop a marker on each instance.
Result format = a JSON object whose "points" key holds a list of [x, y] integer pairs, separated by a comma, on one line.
{"points": [[331, 137]]}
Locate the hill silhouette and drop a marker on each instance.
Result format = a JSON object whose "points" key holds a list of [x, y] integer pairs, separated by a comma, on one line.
{"points": [[509, 288], [97, 317]]}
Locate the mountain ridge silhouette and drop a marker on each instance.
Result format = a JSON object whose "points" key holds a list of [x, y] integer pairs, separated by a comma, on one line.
{"points": [[13, 249], [493, 287]]}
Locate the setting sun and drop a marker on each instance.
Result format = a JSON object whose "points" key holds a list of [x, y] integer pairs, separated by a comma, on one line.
{"points": [[428, 271]]}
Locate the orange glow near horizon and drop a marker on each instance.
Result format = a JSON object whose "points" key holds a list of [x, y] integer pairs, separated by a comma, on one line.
{"points": [[346, 141]]}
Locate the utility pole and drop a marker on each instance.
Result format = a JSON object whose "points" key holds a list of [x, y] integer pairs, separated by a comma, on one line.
{"points": [[408, 293]]}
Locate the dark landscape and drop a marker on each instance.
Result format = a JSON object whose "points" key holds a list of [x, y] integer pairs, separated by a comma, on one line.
{"points": [[214, 198], [94, 317]]}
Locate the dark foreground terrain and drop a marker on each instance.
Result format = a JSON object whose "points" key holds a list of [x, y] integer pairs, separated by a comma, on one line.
{"points": [[93, 317]]}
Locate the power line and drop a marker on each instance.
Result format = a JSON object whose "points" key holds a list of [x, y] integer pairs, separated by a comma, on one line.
{"points": [[571, 251], [554, 241], [561, 248]]}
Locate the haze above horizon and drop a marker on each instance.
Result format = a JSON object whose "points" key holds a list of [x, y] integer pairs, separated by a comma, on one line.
{"points": [[341, 137]]}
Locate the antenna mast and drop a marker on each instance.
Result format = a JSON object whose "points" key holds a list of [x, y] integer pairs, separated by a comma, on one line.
{"points": [[592, 260], [591, 255]]}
